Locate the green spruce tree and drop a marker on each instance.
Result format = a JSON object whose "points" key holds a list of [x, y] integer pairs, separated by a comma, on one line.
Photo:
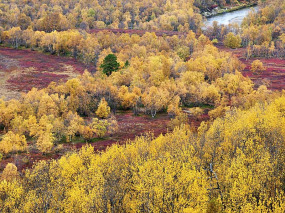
{"points": [[110, 64]]}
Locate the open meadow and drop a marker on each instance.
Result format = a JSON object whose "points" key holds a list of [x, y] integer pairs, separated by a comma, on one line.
{"points": [[22, 70]]}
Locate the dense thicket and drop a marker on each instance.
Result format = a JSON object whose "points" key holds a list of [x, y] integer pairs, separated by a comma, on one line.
{"points": [[47, 15], [235, 164], [127, 14]]}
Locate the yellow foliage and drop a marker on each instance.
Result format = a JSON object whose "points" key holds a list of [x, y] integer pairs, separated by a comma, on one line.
{"points": [[11, 196], [197, 111], [86, 132], [173, 108], [103, 110], [233, 163], [45, 142], [74, 122], [12, 142], [232, 41], [10, 172], [257, 66], [99, 127]]}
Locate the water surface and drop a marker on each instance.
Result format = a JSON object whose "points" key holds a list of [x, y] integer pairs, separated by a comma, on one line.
{"points": [[231, 17]]}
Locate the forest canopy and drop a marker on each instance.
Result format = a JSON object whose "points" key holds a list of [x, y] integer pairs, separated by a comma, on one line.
{"points": [[232, 162], [62, 15]]}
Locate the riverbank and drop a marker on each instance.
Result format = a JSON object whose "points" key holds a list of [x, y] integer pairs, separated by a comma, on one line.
{"points": [[235, 16], [220, 11]]}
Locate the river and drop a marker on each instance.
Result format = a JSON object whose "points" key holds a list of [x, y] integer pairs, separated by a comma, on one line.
{"points": [[231, 17]]}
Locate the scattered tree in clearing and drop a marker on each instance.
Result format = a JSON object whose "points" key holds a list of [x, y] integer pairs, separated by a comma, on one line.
{"points": [[110, 64], [233, 41], [257, 67], [103, 110], [10, 172], [99, 127]]}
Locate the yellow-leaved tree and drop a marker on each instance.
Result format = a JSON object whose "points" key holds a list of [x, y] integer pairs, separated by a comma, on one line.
{"points": [[12, 142], [233, 41], [73, 125], [257, 67], [173, 108], [103, 110], [42, 131], [45, 141], [10, 172]]}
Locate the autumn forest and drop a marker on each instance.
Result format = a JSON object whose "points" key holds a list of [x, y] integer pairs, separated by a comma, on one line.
{"points": [[138, 106]]}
